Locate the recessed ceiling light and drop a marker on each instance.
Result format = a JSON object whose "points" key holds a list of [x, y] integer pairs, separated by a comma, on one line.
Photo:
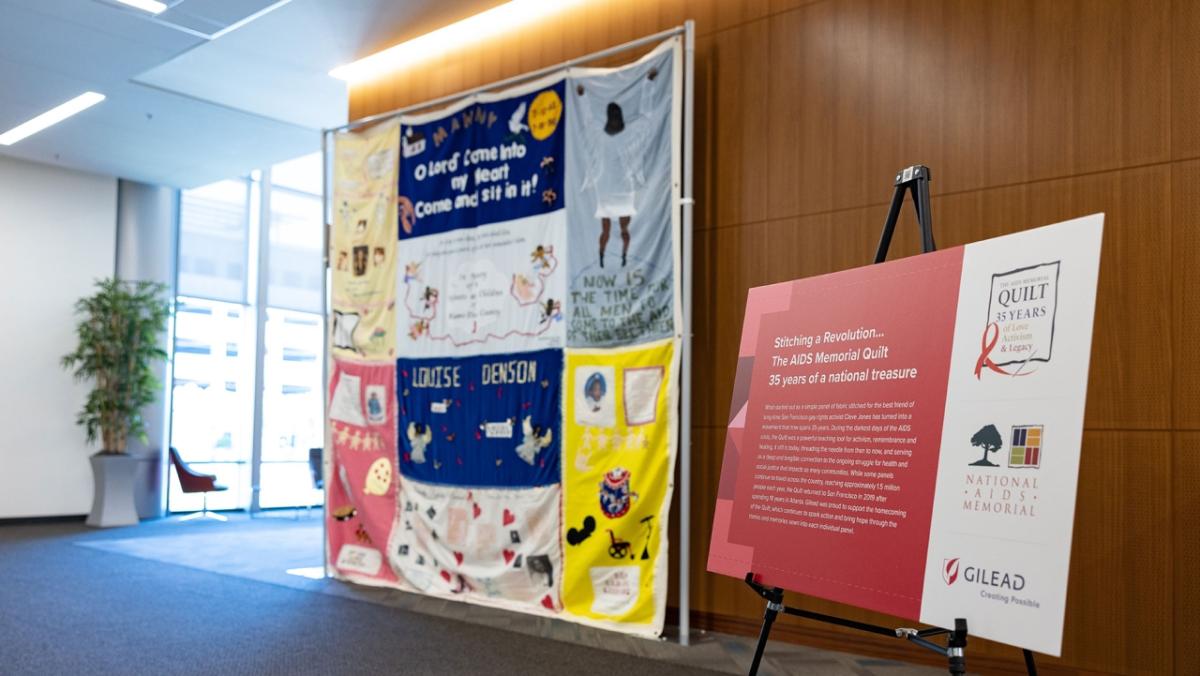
{"points": [[50, 117], [152, 6], [501, 19]]}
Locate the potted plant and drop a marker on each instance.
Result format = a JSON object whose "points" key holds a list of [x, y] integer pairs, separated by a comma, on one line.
{"points": [[119, 329]]}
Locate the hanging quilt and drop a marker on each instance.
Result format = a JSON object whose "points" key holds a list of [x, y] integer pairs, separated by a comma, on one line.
{"points": [[532, 351]]}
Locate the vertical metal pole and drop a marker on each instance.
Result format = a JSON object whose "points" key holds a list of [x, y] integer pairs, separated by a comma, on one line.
{"points": [[262, 270], [327, 450], [685, 361], [169, 377]]}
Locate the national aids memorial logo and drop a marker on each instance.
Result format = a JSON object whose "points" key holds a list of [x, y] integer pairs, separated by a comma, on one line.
{"points": [[950, 570], [1020, 322], [989, 487], [1025, 451]]}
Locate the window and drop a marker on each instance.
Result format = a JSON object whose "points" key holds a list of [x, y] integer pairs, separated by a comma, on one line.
{"points": [[212, 399], [213, 241], [220, 331]]}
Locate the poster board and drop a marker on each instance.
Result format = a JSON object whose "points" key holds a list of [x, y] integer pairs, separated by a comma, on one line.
{"points": [[905, 437], [527, 372]]}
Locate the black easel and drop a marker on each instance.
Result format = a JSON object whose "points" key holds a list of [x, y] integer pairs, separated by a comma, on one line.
{"points": [[915, 179]]}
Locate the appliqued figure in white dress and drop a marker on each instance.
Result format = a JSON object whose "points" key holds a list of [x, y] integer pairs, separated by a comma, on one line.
{"points": [[617, 155]]}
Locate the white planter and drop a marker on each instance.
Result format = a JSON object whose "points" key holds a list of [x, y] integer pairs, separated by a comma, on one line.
{"points": [[112, 502]]}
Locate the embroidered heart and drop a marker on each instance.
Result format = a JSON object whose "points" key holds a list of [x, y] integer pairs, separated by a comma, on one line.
{"points": [[508, 556], [476, 509], [446, 575], [458, 557], [548, 602], [508, 517]]}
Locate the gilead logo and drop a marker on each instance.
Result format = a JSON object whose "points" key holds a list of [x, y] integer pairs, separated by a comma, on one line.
{"points": [[994, 578], [950, 570], [981, 576]]}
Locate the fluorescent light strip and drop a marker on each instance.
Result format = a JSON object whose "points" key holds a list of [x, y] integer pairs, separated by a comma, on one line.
{"points": [[50, 117], [152, 6], [505, 18]]}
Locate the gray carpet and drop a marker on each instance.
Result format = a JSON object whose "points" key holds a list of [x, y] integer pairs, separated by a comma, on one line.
{"points": [[169, 597], [81, 610]]}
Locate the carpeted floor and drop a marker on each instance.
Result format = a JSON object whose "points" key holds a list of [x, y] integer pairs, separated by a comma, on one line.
{"points": [[201, 598]]}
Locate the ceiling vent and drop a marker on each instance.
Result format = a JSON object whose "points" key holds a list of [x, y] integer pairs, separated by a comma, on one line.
{"points": [[205, 19]]}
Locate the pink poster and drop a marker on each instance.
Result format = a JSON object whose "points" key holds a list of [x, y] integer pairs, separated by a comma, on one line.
{"points": [[889, 441]]}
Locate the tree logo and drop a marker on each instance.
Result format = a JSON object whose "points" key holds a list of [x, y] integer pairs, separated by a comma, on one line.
{"points": [[988, 438]]}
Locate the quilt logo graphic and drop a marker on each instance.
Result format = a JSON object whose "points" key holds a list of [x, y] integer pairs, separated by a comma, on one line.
{"points": [[950, 570], [1022, 307], [1025, 451]]}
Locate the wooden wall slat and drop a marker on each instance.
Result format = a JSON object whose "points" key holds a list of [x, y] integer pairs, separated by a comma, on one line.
{"points": [[1185, 217], [1052, 101], [849, 170], [1119, 550], [1029, 112], [963, 59], [798, 143], [740, 150], [1186, 516], [1004, 89], [1185, 79]]}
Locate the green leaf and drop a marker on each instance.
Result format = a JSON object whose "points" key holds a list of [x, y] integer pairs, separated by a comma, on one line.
{"points": [[118, 330]]}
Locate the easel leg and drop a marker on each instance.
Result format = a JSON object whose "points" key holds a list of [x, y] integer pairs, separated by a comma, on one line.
{"points": [[924, 215], [889, 225], [956, 648], [774, 602], [1030, 666]]}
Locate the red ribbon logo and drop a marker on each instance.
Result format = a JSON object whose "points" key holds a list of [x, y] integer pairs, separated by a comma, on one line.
{"points": [[986, 345]]}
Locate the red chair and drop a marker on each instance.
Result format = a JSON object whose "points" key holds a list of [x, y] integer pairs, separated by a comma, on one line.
{"points": [[192, 481]]}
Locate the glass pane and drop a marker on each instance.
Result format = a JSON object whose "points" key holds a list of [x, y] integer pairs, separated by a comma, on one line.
{"points": [[293, 405], [212, 400], [213, 240], [287, 484], [297, 278], [302, 173]]}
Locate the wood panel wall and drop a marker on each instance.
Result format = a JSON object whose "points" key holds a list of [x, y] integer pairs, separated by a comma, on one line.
{"points": [[1028, 112]]}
